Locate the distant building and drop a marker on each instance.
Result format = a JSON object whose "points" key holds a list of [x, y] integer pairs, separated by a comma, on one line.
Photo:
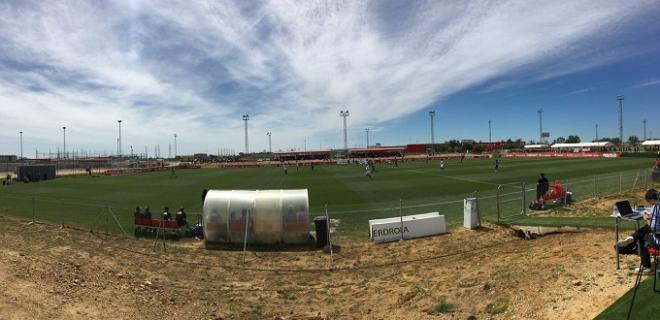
{"points": [[8, 158]]}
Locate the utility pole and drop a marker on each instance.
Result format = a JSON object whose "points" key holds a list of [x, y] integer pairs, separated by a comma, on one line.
{"points": [[620, 99], [119, 140], [64, 134], [540, 111], [367, 131], [175, 149], [344, 114], [270, 146], [21, 133], [245, 119]]}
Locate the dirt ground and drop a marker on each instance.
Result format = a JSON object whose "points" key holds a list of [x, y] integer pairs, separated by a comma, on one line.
{"points": [[49, 272]]}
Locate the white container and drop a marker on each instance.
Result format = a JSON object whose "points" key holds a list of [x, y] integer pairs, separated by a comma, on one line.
{"points": [[414, 226], [471, 213]]}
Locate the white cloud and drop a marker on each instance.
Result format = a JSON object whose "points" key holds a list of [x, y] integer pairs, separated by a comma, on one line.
{"points": [[193, 67]]}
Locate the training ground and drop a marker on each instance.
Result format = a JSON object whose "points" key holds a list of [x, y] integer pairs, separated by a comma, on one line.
{"points": [[54, 271]]}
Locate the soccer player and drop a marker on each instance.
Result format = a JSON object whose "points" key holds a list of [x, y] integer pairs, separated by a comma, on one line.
{"points": [[368, 173], [442, 164], [497, 164]]}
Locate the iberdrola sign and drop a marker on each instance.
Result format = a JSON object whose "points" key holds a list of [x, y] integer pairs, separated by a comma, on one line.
{"points": [[407, 227]]}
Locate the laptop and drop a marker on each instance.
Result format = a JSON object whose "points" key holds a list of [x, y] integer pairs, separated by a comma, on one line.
{"points": [[626, 211]]}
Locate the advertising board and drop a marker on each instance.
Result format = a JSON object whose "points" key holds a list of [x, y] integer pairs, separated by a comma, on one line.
{"points": [[413, 226]]}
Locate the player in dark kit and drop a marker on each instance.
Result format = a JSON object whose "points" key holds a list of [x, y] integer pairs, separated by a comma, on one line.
{"points": [[497, 164]]}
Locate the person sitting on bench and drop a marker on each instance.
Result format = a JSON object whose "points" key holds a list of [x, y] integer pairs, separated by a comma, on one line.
{"points": [[646, 235], [146, 214], [137, 214], [166, 214], [181, 218]]}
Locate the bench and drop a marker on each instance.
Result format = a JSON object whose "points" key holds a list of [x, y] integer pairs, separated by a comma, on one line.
{"points": [[155, 225]]}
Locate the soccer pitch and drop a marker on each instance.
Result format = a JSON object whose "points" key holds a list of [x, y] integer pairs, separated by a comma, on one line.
{"points": [[350, 196]]}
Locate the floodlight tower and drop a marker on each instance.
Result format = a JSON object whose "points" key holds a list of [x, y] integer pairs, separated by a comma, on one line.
{"points": [[540, 111], [367, 131], [119, 140], [596, 131], [344, 114], [643, 121], [64, 135], [246, 117], [620, 99], [175, 153], [21, 133], [490, 131], [270, 146], [431, 115]]}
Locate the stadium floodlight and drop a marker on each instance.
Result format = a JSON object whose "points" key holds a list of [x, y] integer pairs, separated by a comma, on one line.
{"points": [[644, 122], [431, 115], [344, 114], [540, 111], [596, 131], [490, 132], [620, 99], [367, 131], [270, 146], [175, 150], [119, 140], [246, 117], [64, 135], [21, 134]]}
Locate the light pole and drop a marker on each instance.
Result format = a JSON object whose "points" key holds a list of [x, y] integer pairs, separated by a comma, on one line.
{"points": [[620, 99], [119, 139], [596, 131], [643, 121], [175, 153], [490, 132], [270, 146], [344, 114], [21, 133], [245, 119], [540, 111], [64, 135], [367, 131], [431, 115]]}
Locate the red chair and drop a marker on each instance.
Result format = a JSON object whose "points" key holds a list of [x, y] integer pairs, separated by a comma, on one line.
{"points": [[655, 252]]}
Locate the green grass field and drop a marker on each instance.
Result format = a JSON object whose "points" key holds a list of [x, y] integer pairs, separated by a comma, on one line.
{"points": [[349, 194], [646, 304]]}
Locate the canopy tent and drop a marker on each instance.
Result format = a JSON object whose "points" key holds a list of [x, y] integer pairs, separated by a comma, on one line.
{"points": [[651, 143], [600, 144]]}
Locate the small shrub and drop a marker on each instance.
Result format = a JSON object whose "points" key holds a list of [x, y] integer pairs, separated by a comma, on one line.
{"points": [[443, 307], [498, 306]]}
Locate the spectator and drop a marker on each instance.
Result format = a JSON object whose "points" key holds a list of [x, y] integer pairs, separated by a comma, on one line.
{"points": [[648, 235], [146, 214], [137, 214], [166, 216], [542, 186], [181, 218]]}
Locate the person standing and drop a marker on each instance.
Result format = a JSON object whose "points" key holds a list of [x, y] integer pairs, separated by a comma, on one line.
{"points": [[442, 164], [648, 235], [542, 186], [368, 173], [497, 164]]}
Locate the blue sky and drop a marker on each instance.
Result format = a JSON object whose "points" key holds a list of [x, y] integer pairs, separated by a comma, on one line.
{"points": [[194, 68]]}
